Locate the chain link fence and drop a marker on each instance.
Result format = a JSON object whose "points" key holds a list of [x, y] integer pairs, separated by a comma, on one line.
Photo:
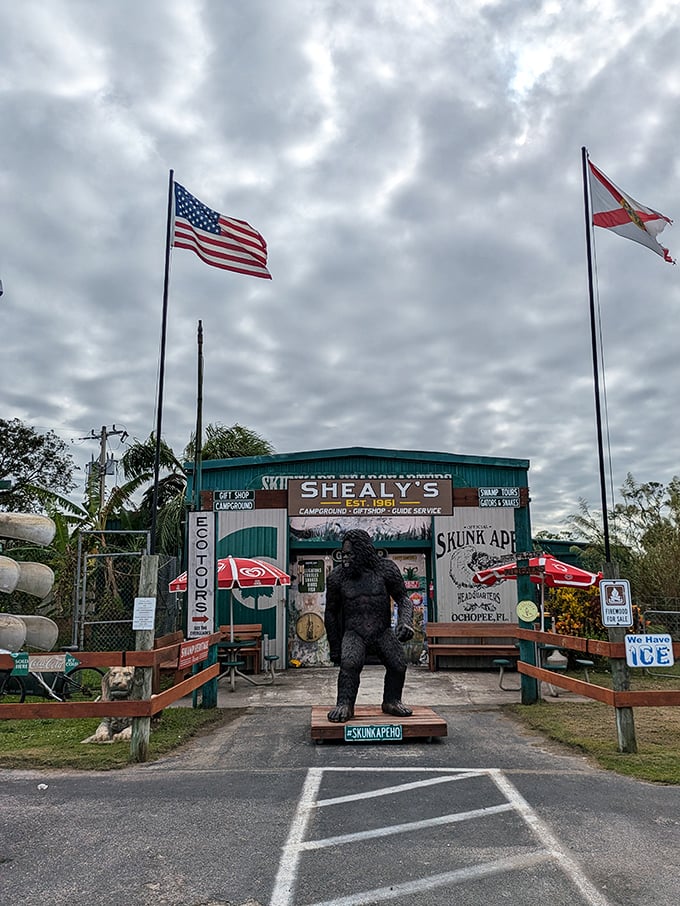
{"points": [[663, 621], [106, 585]]}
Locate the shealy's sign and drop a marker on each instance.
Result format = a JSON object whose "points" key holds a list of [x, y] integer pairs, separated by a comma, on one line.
{"points": [[370, 497]]}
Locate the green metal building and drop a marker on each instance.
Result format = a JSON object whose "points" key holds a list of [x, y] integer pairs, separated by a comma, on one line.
{"points": [[440, 516]]}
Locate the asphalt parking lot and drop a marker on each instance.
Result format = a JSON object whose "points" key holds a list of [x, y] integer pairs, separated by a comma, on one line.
{"points": [[257, 813]]}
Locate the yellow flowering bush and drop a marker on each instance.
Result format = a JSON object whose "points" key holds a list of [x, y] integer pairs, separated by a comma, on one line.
{"points": [[577, 611]]}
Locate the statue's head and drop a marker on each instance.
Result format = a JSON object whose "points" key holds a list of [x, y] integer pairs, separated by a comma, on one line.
{"points": [[358, 552]]}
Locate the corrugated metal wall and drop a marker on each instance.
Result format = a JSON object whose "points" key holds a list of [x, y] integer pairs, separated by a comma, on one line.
{"points": [[262, 534]]}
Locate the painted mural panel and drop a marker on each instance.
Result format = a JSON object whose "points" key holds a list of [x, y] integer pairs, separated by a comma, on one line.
{"points": [[380, 528], [470, 540], [413, 570], [307, 642]]}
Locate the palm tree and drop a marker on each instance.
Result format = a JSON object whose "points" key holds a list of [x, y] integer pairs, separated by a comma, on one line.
{"points": [[221, 442]]}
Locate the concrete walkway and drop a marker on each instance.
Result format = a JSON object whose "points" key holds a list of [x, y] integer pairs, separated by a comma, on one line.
{"points": [[307, 686]]}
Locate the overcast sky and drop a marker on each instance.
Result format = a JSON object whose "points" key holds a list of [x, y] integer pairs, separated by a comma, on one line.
{"points": [[415, 167]]}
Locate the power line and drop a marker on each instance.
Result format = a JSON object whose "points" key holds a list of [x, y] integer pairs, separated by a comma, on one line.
{"points": [[102, 437]]}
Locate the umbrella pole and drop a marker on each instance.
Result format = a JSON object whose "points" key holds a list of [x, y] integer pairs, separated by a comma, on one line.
{"points": [[231, 615]]}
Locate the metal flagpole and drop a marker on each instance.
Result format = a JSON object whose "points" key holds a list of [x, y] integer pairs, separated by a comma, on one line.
{"points": [[161, 370], [625, 722], [596, 374], [196, 490]]}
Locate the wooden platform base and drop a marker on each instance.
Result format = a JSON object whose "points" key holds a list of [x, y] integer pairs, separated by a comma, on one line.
{"points": [[369, 724]]}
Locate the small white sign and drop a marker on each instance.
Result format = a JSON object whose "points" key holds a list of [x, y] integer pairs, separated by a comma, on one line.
{"points": [[498, 497], [234, 500], [649, 650], [615, 602], [144, 613]]}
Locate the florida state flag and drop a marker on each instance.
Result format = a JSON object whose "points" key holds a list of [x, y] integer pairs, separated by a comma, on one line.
{"points": [[613, 210]]}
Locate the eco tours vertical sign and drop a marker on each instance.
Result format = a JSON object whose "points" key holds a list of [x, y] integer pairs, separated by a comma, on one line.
{"points": [[201, 575]]}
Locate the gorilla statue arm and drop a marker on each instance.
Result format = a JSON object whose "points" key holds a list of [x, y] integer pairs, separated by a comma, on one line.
{"points": [[394, 583], [333, 617]]}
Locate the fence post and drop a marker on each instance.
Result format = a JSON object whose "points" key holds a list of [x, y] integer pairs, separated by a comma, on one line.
{"points": [[625, 721], [209, 689], [527, 650], [141, 726]]}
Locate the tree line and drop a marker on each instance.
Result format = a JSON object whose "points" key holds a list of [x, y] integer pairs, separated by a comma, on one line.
{"points": [[37, 476]]}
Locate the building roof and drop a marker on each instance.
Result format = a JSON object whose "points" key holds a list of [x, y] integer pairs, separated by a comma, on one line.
{"points": [[450, 459]]}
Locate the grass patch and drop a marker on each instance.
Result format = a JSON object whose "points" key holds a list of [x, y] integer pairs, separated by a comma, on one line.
{"points": [[57, 743], [590, 727]]}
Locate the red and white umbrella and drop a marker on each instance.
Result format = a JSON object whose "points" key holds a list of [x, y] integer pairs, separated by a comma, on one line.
{"points": [[543, 569], [240, 572]]}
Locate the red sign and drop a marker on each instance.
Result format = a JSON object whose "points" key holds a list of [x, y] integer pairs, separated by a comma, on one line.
{"points": [[192, 652]]}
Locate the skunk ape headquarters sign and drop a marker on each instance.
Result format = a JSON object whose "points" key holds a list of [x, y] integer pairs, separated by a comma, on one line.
{"points": [[464, 543]]}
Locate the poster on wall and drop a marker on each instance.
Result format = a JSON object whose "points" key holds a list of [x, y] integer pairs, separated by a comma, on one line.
{"points": [[413, 571], [307, 602], [470, 540]]}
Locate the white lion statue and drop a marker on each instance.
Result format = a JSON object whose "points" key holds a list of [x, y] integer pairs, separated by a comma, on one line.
{"points": [[116, 685]]}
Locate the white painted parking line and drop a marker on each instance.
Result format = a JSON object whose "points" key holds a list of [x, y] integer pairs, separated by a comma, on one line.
{"points": [[445, 879], [549, 849], [391, 790], [284, 887], [590, 893], [402, 828]]}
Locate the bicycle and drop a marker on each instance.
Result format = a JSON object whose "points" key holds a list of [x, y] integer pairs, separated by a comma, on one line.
{"points": [[77, 684], [12, 689]]}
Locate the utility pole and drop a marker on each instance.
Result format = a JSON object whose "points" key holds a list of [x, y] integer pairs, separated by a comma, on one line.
{"points": [[103, 437]]}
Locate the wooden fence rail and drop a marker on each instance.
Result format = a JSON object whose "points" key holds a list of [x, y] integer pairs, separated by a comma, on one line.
{"points": [[128, 708], [651, 698], [147, 708]]}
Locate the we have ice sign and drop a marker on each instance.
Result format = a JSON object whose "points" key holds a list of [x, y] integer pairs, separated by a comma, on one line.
{"points": [[649, 650]]}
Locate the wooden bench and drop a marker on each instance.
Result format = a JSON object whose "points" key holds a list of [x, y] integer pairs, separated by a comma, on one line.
{"points": [[492, 640], [244, 632], [169, 667]]}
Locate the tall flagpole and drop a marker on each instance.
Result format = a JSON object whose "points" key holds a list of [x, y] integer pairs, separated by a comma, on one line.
{"points": [[596, 371], [196, 490], [161, 371], [625, 721]]}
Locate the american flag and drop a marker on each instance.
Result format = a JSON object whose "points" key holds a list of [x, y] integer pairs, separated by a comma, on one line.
{"points": [[218, 240]]}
